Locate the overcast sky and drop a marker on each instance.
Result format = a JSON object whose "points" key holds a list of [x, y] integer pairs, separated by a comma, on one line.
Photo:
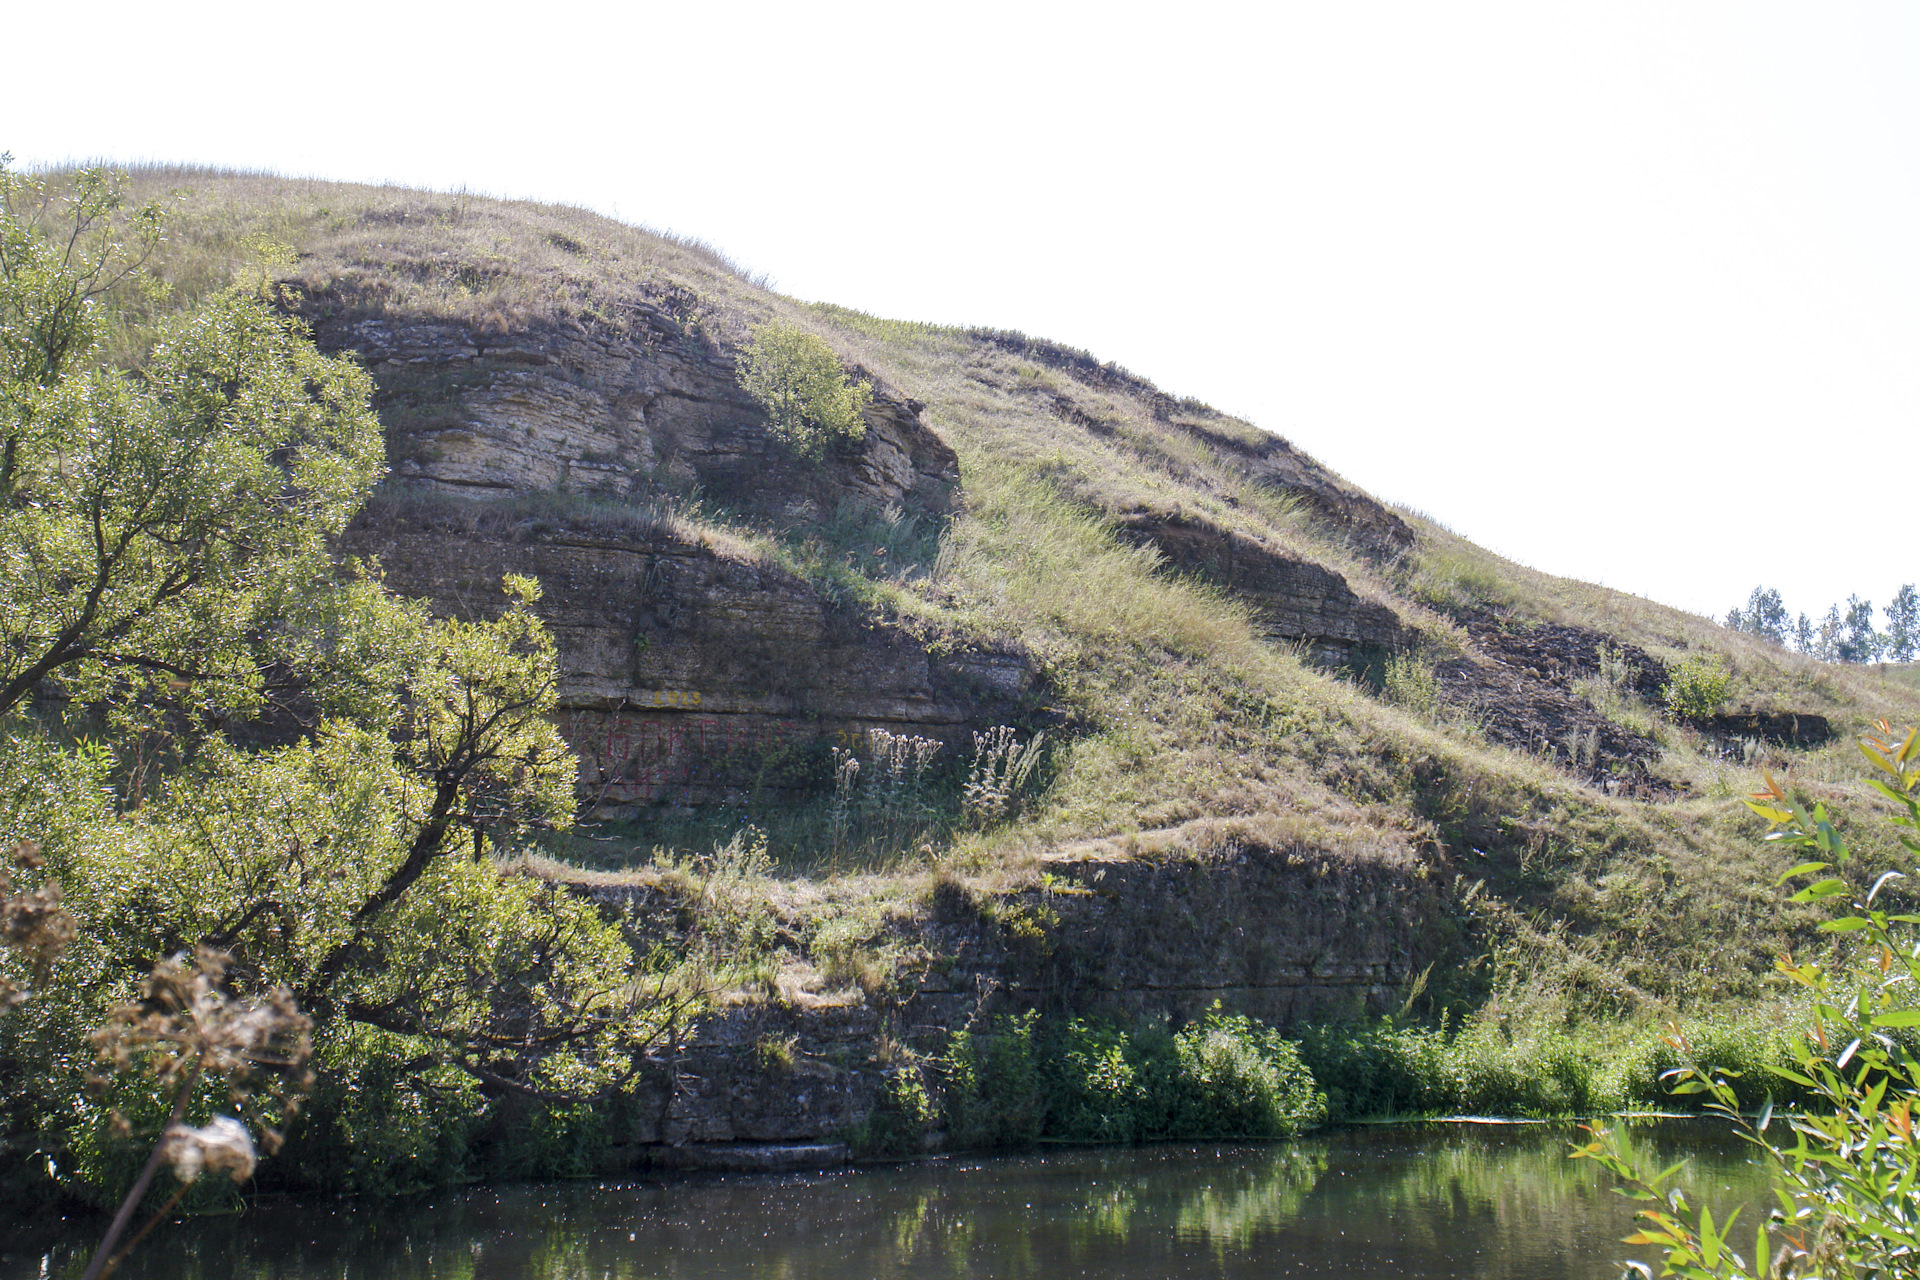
{"points": [[1628, 292]]}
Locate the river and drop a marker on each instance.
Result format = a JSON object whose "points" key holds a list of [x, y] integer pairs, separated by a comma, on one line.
{"points": [[1488, 1201]]}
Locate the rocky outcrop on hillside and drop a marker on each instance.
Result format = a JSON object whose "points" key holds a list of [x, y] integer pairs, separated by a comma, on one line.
{"points": [[1262, 458], [1284, 935], [1296, 601], [1519, 687], [650, 405], [1800, 729], [688, 676]]}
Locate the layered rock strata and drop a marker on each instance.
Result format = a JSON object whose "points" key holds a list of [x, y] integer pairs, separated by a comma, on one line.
{"points": [[692, 677], [1283, 936], [649, 406]]}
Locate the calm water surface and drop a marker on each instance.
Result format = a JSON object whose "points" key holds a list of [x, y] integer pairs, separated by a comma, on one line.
{"points": [[1407, 1201]]}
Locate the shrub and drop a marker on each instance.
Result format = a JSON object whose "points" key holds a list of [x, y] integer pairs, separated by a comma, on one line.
{"points": [[1236, 1078], [1226, 1076], [1379, 1069], [1698, 686], [810, 401]]}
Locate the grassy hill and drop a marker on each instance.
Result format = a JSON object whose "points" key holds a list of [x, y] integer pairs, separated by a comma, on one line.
{"points": [[1182, 711], [1231, 651]]}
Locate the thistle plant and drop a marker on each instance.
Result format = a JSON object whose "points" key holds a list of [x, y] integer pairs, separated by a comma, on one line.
{"points": [[32, 923], [1000, 768], [186, 1027]]}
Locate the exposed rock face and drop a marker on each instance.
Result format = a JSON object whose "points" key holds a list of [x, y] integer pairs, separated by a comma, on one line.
{"points": [[690, 677], [1283, 936], [1519, 689], [1784, 728], [653, 407], [1297, 600]]}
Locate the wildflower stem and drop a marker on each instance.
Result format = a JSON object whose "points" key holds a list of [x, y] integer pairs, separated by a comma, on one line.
{"points": [[104, 1256]]}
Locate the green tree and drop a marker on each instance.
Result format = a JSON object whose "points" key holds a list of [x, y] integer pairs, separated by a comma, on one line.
{"points": [[165, 577], [1903, 625], [810, 401], [1859, 642], [1765, 616], [158, 522]]}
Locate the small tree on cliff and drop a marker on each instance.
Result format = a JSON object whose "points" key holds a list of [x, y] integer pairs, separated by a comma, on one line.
{"points": [[810, 401]]}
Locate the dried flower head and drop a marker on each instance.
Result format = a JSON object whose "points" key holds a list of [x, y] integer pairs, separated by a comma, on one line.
{"points": [[186, 1025], [222, 1146], [33, 923]]}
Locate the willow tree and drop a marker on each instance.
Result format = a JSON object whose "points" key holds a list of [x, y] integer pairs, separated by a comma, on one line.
{"points": [[335, 764]]}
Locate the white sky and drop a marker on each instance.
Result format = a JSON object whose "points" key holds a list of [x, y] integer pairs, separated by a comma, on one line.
{"points": [[1629, 292]]}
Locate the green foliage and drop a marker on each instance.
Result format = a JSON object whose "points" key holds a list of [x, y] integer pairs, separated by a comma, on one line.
{"points": [[61, 251], [166, 571], [1846, 1166], [1236, 1078], [1225, 1076], [1383, 1068], [901, 1115], [1698, 686], [1409, 681], [993, 1095], [160, 527], [810, 402], [381, 1123]]}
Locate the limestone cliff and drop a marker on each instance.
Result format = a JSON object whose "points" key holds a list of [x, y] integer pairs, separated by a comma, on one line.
{"points": [[689, 676], [649, 406]]}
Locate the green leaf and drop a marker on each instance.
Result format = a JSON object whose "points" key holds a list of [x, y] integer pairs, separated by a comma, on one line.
{"points": [[1804, 869], [1820, 889], [1899, 1018], [1879, 760], [1849, 924], [1898, 797]]}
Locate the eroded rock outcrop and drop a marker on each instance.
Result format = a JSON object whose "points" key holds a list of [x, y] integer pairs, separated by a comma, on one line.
{"points": [[651, 405], [1263, 458], [1519, 687], [689, 676], [1284, 935]]}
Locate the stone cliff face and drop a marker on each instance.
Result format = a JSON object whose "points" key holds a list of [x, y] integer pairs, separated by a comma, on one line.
{"points": [[695, 673], [688, 676], [647, 407], [1284, 936]]}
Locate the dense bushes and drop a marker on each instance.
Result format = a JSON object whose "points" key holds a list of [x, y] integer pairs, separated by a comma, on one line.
{"points": [[1023, 1080], [1380, 1068]]}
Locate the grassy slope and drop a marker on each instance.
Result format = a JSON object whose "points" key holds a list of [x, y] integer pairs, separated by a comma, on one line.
{"points": [[1189, 716]]}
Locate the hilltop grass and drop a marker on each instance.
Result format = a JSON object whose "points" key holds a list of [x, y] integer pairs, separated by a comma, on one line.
{"points": [[1181, 712]]}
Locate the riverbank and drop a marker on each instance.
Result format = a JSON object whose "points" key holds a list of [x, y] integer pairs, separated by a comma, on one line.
{"points": [[1428, 1200]]}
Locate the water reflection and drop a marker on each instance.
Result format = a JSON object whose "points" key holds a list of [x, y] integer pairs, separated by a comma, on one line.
{"points": [[1422, 1201]]}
